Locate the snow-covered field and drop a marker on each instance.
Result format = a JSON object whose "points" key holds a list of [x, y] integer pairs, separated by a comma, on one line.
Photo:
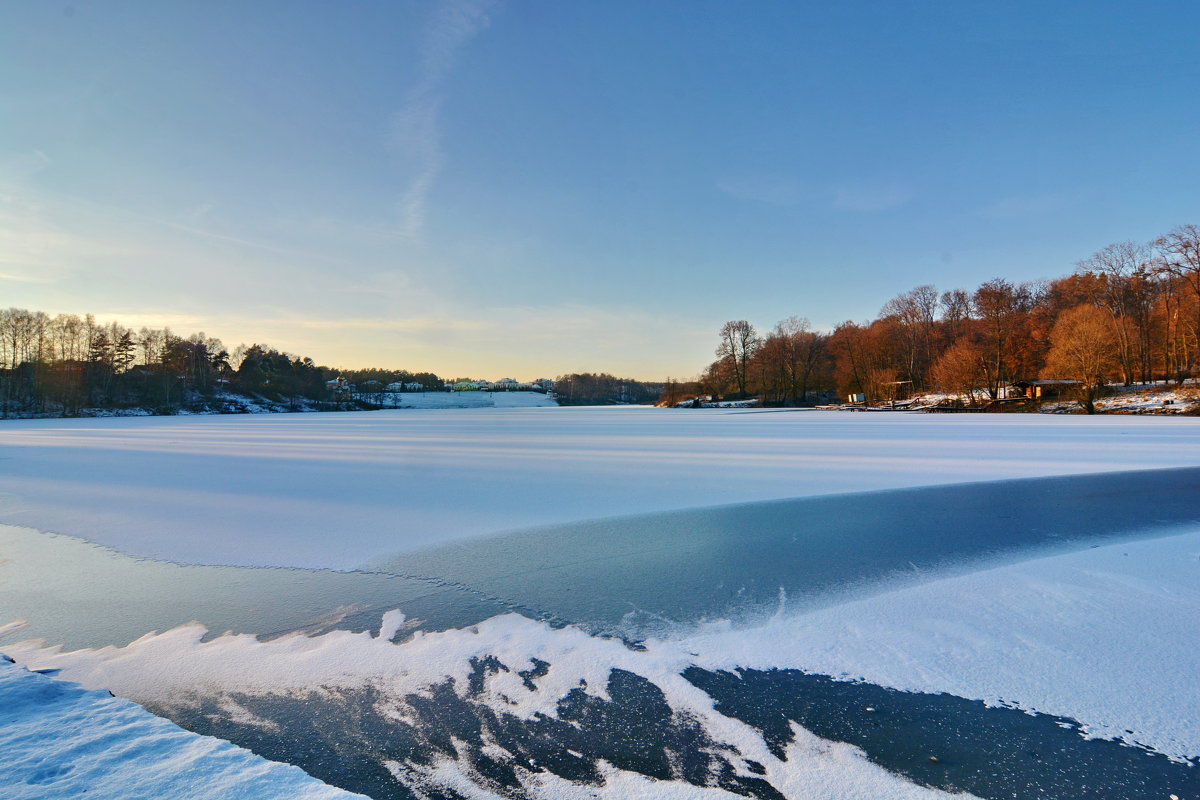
{"points": [[1099, 634]]}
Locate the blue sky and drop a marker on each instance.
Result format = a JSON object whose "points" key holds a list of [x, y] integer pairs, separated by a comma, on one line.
{"points": [[526, 188]]}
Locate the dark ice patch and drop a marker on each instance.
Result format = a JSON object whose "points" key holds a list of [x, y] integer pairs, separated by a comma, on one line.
{"points": [[634, 575], [947, 742], [344, 737]]}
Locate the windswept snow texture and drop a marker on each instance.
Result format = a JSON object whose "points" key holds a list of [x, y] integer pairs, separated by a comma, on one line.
{"points": [[335, 490], [59, 741]]}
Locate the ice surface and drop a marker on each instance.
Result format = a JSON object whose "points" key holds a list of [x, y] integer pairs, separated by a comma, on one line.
{"points": [[178, 668], [1095, 635], [79, 594], [812, 768], [60, 741], [633, 575], [334, 490], [1107, 636]]}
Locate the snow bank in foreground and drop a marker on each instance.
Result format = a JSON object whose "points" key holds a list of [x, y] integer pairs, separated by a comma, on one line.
{"points": [[334, 490], [62, 741]]}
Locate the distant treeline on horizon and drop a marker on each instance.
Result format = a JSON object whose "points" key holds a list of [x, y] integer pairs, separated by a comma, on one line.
{"points": [[69, 364], [1129, 313]]}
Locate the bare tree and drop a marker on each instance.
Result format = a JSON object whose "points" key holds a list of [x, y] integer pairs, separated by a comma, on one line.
{"points": [[788, 357], [151, 343], [915, 312], [1000, 307], [956, 313], [739, 342], [25, 333], [1180, 258], [1121, 289], [865, 358]]}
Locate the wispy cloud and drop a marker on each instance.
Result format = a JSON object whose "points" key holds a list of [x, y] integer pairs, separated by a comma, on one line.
{"points": [[36, 250], [21, 166], [221, 237], [870, 198], [199, 214], [1034, 205], [5, 276], [414, 129]]}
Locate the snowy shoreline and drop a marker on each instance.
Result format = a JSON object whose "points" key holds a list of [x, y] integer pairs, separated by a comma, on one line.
{"points": [[227, 404]]}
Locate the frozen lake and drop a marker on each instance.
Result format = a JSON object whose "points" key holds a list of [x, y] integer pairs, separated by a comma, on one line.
{"points": [[998, 586], [336, 490]]}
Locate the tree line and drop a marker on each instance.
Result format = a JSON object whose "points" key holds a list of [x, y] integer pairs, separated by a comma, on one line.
{"points": [[67, 363], [1129, 313], [597, 389]]}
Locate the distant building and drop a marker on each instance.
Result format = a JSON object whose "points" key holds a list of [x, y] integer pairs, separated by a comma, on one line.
{"points": [[339, 387], [1042, 389]]}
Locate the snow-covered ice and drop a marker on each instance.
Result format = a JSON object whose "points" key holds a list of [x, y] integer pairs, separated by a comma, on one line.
{"points": [[1103, 635], [167, 668], [335, 490], [1107, 636], [62, 742]]}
